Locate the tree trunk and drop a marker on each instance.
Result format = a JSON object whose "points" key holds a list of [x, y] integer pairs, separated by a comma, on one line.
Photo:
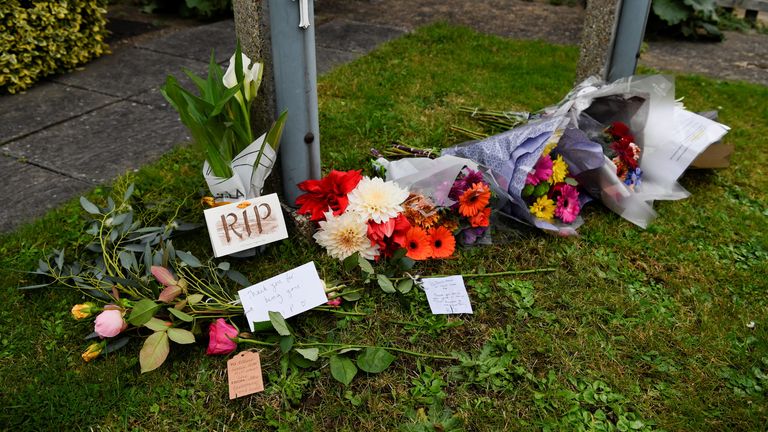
{"points": [[252, 28]]}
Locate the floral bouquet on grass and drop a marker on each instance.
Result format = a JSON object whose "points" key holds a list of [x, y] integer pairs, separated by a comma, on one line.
{"points": [[533, 169], [378, 218], [626, 143], [219, 119]]}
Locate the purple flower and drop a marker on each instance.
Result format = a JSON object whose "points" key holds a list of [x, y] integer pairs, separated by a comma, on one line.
{"points": [[473, 177]]}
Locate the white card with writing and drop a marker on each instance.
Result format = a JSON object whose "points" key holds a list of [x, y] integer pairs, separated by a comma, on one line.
{"points": [[289, 293], [447, 295], [245, 224]]}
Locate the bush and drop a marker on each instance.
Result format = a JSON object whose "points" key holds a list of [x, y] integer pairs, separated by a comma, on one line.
{"points": [[43, 37], [692, 19], [204, 9]]}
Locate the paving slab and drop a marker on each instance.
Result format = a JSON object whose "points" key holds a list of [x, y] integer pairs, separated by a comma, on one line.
{"points": [[196, 43], [43, 105], [28, 192], [129, 72], [101, 145], [329, 58], [353, 36]]}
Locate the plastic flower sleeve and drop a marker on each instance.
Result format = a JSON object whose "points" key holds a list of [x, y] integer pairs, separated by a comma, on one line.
{"points": [[429, 177], [246, 182]]}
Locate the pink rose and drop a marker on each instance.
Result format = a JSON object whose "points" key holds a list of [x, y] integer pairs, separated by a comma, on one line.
{"points": [[220, 336], [110, 323]]}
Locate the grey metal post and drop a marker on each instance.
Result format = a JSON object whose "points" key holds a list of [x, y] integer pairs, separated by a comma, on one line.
{"points": [[628, 37], [295, 72]]}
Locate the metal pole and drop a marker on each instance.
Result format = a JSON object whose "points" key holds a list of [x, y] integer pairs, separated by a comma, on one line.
{"points": [[628, 37], [293, 57]]}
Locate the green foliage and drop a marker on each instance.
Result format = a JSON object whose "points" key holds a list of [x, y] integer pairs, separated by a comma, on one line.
{"points": [[189, 8], [40, 38], [693, 19]]}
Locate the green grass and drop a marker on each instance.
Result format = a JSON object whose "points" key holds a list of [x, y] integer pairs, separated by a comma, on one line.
{"points": [[634, 329]]}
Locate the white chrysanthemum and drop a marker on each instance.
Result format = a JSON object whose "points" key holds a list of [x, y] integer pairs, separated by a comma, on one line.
{"points": [[377, 200], [343, 235]]}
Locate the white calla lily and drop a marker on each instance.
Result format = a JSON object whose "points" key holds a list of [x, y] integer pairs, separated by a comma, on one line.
{"points": [[252, 72]]}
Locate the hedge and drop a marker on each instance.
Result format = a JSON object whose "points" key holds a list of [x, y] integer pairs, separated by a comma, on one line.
{"points": [[39, 38]]}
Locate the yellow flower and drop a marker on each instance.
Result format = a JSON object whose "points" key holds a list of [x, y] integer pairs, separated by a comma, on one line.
{"points": [[559, 170], [83, 310], [543, 208], [92, 351]]}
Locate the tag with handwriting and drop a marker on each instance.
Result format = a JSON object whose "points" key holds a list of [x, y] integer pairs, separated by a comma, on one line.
{"points": [[246, 224], [244, 374], [447, 295], [289, 293]]}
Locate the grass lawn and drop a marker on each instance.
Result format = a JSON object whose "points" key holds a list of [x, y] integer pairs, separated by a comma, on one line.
{"points": [[635, 330]]}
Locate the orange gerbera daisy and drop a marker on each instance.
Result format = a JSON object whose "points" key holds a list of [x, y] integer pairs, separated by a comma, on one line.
{"points": [[418, 243], [474, 199], [481, 219], [443, 242]]}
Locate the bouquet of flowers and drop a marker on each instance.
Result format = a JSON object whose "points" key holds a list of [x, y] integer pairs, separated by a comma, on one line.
{"points": [[533, 170], [375, 217], [625, 143], [549, 190], [219, 119]]}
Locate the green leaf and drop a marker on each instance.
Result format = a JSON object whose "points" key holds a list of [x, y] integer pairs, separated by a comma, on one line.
{"points": [[364, 264], [342, 369], [188, 259], [128, 192], [154, 351], [351, 262], [286, 343], [278, 322], [405, 286], [89, 206], [180, 315], [156, 324], [181, 336], [310, 354], [194, 299], [374, 360], [407, 264], [671, 11], [353, 296], [385, 284], [142, 311]]}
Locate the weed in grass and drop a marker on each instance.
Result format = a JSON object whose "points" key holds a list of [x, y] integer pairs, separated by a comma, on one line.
{"points": [[427, 388]]}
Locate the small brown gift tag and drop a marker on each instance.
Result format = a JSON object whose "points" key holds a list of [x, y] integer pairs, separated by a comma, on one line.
{"points": [[244, 374]]}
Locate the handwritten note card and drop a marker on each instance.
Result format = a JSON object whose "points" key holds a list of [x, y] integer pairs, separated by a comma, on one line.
{"points": [[289, 293], [244, 374], [447, 295], [245, 224]]}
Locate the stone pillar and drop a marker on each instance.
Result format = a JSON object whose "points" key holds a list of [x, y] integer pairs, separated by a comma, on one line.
{"points": [[597, 36], [252, 29]]}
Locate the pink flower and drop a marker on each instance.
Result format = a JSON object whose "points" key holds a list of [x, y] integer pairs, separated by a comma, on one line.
{"points": [[110, 323], [220, 335], [567, 203], [542, 171], [335, 302]]}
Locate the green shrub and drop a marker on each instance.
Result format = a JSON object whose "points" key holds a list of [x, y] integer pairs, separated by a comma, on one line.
{"points": [[692, 19], [203, 9], [43, 37]]}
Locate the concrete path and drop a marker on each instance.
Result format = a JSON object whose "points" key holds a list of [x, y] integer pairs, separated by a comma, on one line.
{"points": [[72, 132]]}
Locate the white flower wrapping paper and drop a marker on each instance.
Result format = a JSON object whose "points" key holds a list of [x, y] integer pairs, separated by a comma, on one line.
{"points": [[247, 181]]}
